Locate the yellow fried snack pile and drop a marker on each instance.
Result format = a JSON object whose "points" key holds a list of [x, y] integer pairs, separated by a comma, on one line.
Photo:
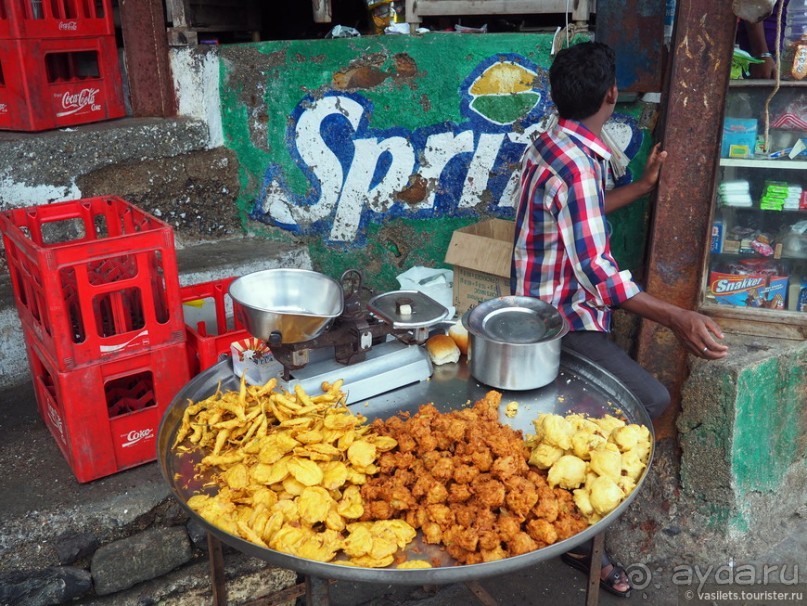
{"points": [[600, 460], [288, 467]]}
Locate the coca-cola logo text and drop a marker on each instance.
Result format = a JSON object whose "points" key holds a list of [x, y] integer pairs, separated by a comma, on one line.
{"points": [[68, 26], [74, 103], [56, 421], [3, 108], [138, 435]]}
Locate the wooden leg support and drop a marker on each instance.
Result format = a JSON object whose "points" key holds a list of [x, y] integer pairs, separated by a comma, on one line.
{"points": [[316, 592], [217, 580], [593, 589], [481, 594]]}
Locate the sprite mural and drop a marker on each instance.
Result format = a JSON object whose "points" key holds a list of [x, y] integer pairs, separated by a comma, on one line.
{"points": [[378, 148]]}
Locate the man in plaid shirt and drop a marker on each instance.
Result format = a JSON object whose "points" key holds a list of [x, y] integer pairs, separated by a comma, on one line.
{"points": [[562, 253]]}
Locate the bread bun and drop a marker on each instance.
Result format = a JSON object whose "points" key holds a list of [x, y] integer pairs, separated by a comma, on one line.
{"points": [[460, 336], [442, 349]]}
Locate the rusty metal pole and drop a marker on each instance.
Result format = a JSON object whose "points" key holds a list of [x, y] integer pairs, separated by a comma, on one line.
{"points": [[702, 45], [145, 46]]}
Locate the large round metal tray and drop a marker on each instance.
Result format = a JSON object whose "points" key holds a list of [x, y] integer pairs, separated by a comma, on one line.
{"points": [[579, 387]]}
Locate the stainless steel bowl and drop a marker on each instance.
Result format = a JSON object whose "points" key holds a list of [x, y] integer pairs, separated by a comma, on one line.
{"points": [[298, 304], [514, 342]]}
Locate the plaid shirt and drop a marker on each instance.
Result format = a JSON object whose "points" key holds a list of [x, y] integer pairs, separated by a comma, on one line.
{"points": [[562, 254]]}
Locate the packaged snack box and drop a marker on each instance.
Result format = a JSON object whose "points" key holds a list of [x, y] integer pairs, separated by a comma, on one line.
{"points": [[761, 290]]}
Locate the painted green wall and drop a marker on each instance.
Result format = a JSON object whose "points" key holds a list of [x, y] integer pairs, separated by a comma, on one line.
{"points": [[770, 423], [742, 428], [411, 91]]}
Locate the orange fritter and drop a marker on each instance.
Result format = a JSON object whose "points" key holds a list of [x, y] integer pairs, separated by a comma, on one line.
{"points": [[464, 480]]}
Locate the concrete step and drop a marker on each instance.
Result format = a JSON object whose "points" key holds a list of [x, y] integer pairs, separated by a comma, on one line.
{"points": [[197, 263]]}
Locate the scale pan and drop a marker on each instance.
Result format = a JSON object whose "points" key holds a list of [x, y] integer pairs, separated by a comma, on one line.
{"points": [[299, 304]]}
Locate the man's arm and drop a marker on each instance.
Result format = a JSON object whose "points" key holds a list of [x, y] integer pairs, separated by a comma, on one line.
{"points": [[759, 49], [624, 195], [697, 332]]}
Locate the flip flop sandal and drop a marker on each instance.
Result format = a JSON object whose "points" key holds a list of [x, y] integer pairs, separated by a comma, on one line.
{"points": [[617, 574]]}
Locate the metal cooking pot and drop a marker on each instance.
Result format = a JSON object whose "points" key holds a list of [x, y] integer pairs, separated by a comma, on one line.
{"points": [[514, 342]]}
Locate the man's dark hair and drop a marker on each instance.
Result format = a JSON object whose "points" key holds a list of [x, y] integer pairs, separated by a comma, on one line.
{"points": [[580, 77]]}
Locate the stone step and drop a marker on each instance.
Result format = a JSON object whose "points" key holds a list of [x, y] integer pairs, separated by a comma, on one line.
{"points": [[197, 263]]}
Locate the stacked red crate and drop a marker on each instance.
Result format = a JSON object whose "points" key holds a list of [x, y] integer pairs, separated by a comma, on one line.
{"points": [[210, 337], [56, 18], [105, 416], [58, 64], [97, 290]]}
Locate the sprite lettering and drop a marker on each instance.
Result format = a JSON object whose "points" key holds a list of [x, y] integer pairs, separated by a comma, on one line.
{"points": [[359, 174]]}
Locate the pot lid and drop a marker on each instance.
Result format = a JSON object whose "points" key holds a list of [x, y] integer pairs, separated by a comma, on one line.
{"points": [[515, 320], [407, 309]]}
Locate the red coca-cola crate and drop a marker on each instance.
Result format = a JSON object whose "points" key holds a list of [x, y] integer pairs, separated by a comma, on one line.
{"points": [[5, 23], [210, 324], [47, 84], [93, 279], [56, 18], [105, 416]]}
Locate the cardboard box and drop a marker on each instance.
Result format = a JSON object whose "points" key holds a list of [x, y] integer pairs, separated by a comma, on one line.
{"points": [[481, 256], [749, 290]]}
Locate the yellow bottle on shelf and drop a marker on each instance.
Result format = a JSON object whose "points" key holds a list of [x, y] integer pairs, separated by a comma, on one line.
{"points": [[799, 68]]}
